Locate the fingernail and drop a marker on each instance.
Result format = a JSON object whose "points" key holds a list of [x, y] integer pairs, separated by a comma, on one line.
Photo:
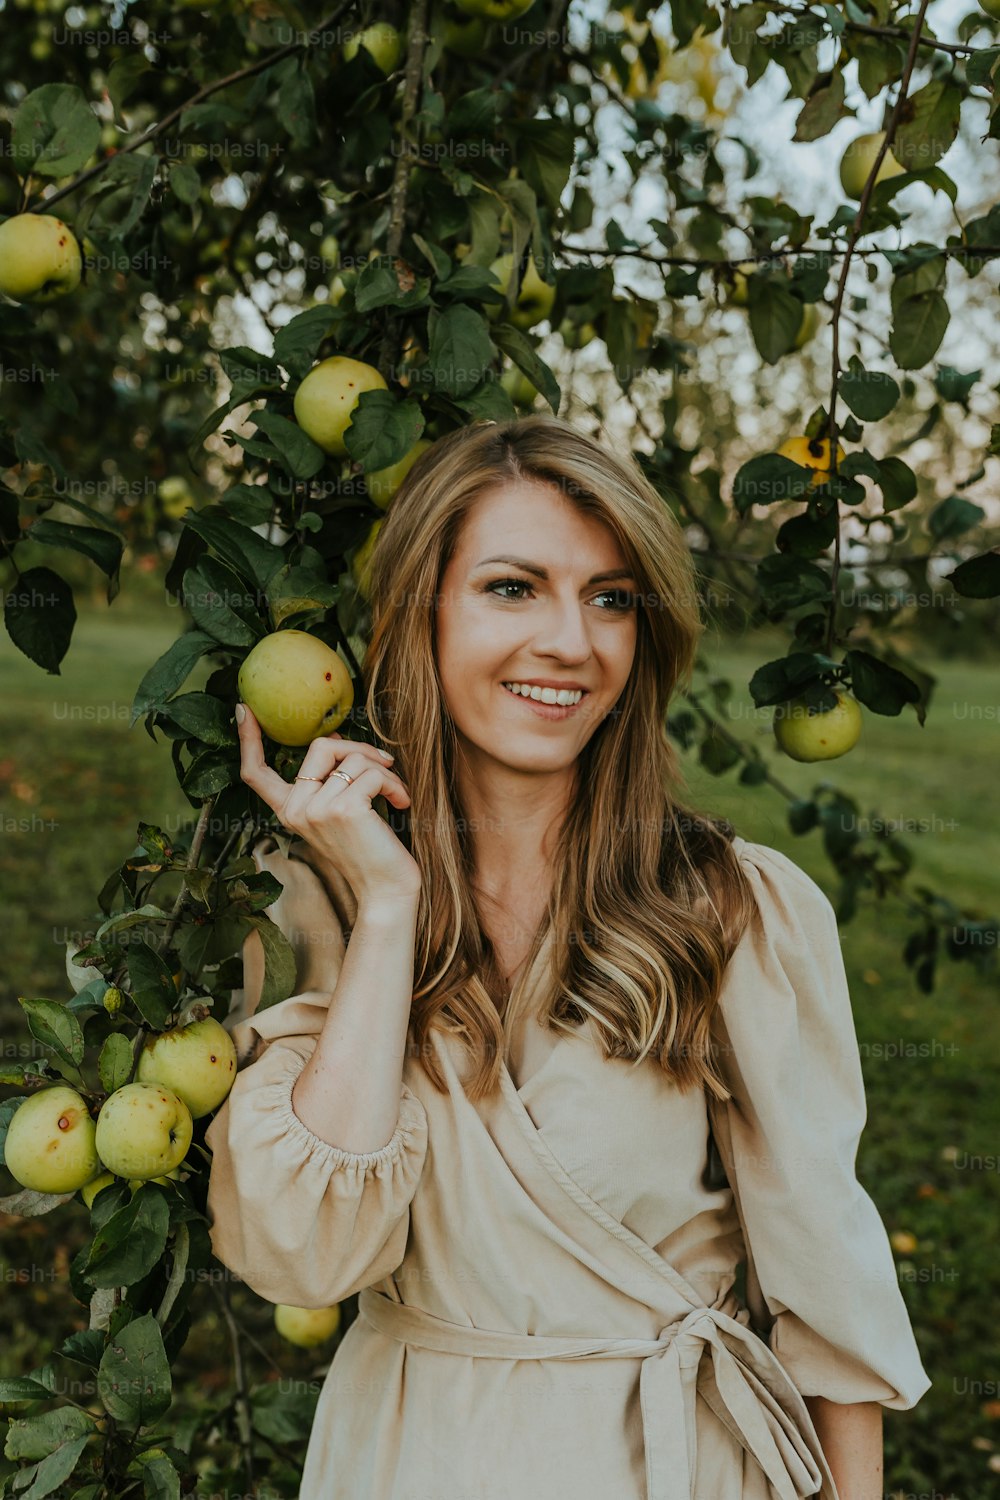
{"points": [[386, 756], [241, 713]]}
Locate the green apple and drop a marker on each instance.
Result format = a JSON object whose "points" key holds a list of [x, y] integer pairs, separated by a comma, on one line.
{"points": [[329, 251], [809, 736], [534, 299], [143, 1130], [90, 1190], [306, 1326], [576, 335], [51, 1142], [327, 397], [858, 160], [808, 326], [737, 295], [135, 1183], [518, 387], [495, 10], [198, 1062], [297, 687], [382, 42], [383, 483], [175, 496], [39, 258], [991, 7], [361, 563], [464, 38]]}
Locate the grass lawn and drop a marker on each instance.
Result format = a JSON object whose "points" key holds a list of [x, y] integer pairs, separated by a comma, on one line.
{"points": [[74, 781]]}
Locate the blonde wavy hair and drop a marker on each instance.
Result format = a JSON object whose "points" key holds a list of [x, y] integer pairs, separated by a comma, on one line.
{"points": [[648, 900]]}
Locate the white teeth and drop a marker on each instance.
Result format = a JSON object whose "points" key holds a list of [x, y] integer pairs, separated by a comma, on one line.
{"points": [[564, 697]]}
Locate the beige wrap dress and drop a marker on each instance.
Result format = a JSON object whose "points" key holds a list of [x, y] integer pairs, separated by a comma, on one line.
{"points": [[547, 1307]]}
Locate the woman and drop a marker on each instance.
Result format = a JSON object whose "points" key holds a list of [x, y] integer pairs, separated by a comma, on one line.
{"points": [[490, 1111]]}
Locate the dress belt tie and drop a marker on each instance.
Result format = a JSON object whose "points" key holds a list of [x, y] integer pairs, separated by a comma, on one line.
{"points": [[757, 1400]]}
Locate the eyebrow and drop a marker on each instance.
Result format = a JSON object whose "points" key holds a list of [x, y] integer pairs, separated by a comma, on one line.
{"points": [[519, 562]]}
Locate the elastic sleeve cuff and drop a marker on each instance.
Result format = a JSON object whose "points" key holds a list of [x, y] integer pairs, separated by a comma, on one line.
{"points": [[409, 1135]]}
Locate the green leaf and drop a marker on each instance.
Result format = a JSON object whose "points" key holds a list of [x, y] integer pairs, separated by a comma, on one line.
{"points": [[39, 614], [55, 131], [125, 185], [928, 124], [871, 394], [124, 76], [544, 151], [919, 325], [160, 1480], [520, 349], [134, 1377], [203, 716], [210, 771], [185, 182], [296, 103], [953, 517], [297, 344], [777, 681], [254, 558], [165, 676], [251, 504], [23, 1388], [102, 547], [897, 482], [151, 984], [822, 110], [56, 1027], [767, 478], [882, 688], [775, 316], [977, 577], [52, 1472], [221, 605], [461, 350], [36, 1437], [951, 385], [129, 1244], [115, 1062], [386, 282], [383, 430], [279, 961], [300, 455]]}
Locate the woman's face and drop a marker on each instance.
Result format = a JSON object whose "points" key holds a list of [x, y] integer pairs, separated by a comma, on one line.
{"points": [[503, 622]]}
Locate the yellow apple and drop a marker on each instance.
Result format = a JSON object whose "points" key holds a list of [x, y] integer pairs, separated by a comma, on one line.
{"points": [[51, 1142], [811, 453], [90, 1190], [803, 735], [383, 483], [858, 160], [306, 1326], [198, 1062], [327, 397], [329, 251], [808, 326], [297, 687], [902, 1241], [361, 564], [464, 38], [39, 258], [338, 288], [143, 1130], [534, 299], [382, 42]]}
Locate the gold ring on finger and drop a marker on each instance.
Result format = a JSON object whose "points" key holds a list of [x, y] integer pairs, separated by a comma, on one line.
{"points": [[343, 776]]}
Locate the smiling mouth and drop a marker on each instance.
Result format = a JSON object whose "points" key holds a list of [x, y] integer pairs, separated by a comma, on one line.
{"points": [[544, 709]]}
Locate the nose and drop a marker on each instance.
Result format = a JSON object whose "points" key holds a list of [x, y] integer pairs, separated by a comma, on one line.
{"points": [[562, 632]]}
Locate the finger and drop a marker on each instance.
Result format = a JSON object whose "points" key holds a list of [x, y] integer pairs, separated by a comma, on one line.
{"points": [[368, 781], [254, 770], [322, 757]]}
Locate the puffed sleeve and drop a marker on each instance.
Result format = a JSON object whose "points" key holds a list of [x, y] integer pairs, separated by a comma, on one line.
{"points": [[302, 1221], [818, 1252]]}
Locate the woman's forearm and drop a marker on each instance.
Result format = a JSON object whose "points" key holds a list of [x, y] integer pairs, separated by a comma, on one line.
{"points": [[851, 1439]]}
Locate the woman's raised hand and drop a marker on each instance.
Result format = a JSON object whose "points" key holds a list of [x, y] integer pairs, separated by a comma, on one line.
{"points": [[337, 819]]}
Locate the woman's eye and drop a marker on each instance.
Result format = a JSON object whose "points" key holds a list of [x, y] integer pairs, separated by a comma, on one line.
{"points": [[622, 600]]}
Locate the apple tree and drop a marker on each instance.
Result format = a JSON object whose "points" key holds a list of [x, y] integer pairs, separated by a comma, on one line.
{"points": [[218, 216]]}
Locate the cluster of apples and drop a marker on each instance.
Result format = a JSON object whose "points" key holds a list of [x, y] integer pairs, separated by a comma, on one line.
{"points": [[143, 1129]]}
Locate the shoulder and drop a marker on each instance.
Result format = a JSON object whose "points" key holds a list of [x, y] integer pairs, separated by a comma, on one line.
{"points": [[786, 896]]}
